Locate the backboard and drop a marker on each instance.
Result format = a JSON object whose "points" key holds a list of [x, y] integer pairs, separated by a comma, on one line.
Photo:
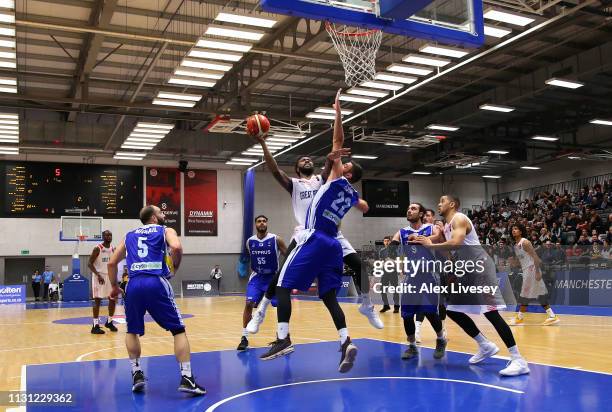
{"points": [[71, 227], [458, 22]]}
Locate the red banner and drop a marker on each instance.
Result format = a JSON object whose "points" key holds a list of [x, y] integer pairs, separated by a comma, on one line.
{"points": [[201, 203], [164, 191]]}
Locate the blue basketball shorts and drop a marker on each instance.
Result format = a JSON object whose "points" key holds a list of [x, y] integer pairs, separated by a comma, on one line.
{"points": [[422, 301], [317, 255], [257, 286], [153, 294]]}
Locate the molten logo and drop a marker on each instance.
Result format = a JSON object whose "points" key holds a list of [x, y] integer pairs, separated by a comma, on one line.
{"points": [[9, 289]]}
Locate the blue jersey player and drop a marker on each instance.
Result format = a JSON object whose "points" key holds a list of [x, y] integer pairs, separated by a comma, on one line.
{"points": [[420, 301], [318, 253], [264, 252], [151, 252]]}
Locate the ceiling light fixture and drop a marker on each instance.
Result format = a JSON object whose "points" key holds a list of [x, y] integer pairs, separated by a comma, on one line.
{"points": [[243, 34], [495, 31], [568, 84], [442, 127], [382, 85], [426, 60], [330, 110], [601, 122], [402, 68], [367, 92], [506, 17], [499, 152], [530, 167], [492, 177], [421, 173], [224, 45], [356, 99], [187, 81], [496, 108], [247, 20], [545, 138], [443, 51], [202, 64], [215, 55], [390, 77], [367, 157]]}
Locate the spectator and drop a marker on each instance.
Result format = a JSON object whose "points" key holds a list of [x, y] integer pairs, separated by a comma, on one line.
{"points": [[47, 276], [606, 251], [216, 273], [555, 232], [36, 279]]}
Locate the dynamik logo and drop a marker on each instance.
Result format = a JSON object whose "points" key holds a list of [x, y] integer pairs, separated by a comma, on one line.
{"points": [[9, 289], [200, 213]]}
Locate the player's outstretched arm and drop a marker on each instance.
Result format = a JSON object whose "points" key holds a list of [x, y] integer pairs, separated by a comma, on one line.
{"points": [[117, 257], [175, 246], [282, 247], [280, 176], [329, 161], [338, 139], [460, 228]]}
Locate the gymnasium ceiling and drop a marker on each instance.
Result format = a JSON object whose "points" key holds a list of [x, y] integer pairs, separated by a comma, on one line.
{"points": [[88, 70]]}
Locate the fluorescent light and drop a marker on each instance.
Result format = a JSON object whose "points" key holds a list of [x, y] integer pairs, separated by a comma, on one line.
{"points": [[7, 17], [602, 122], [130, 146], [426, 60], [190, 82], [366, 92], [224, 45], [356, 99], [9, 151], [10, 81], [382, 85], [179, 96], [201, 64], [243, 34], [496, 108], [242, 159], [402, 68], [205, 74], [507, 17], [11, 64], [247, 153], [7, 53], [500, 152], [313, 115], [355, 156], [8, 42], [330, 110], [127, 157], [492, 177], [545, 138], [7, 30], [393, 144], [443, 51], [574, 157], [9, 132], [160, 132], [569, 84], [237, 163], [136, 139], [7, 89], [8, 121], [147, 136], [7, 4], [421, 173], [177, 103], [290, 136], [530, 167], [275, 139], [155, 125], [215, 55], [389, 77], [442, 127], [9, 116], [143, 144], [245, 19], [494, 31]]}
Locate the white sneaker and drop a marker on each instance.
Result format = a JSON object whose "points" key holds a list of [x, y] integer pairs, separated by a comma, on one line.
{"points": [[417, 335], [368, 312], [444, 333], [256, 320], [515, 367], [484, 351]]}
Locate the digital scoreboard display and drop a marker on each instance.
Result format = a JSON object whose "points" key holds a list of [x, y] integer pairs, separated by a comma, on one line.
{"points": [[386, 198], [33, 189]]}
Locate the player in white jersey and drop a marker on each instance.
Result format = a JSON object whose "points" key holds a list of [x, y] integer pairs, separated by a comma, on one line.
{"points": [[302, 190], [100, 284], [459, 233], [533, 286]]}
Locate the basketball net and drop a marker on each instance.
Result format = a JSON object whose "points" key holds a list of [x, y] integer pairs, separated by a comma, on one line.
{"points": [[357, 49]]}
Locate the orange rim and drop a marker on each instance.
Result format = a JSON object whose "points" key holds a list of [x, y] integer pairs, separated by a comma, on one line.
{"points": [[329, 27]]}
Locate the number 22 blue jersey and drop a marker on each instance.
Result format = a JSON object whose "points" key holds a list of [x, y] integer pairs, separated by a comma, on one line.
{"points": [[333, 200], [264, 254], [146, 251]]}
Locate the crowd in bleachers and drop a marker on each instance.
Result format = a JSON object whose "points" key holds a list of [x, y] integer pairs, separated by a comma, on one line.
{"points": [[560, 225]]}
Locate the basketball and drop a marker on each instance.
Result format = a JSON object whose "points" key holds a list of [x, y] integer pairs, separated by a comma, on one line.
{"points": [[257, 125]]}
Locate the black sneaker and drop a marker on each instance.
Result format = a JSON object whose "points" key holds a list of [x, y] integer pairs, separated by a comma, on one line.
{"points": [[278, 348], [110, 326], [410, 353], [244, 344], [138, 381], [349, 353], [385, 308], [189, 385], [440, 348], [396, 309], [96, 330]]}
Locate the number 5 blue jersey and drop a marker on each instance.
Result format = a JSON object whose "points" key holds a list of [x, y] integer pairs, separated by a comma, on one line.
{"points": [[413, 250], [146, 251], [264, 254], [333, 200]]}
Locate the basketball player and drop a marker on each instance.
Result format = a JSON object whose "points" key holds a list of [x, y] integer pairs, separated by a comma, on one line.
{"points": [[153, 252], [100, 285], [428, 305], [302, 190], [264, 249], [318, 253], [533, 286], [461, 235]]}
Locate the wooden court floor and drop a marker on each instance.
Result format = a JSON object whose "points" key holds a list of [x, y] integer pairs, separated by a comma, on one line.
{"points": [[31, 337]]}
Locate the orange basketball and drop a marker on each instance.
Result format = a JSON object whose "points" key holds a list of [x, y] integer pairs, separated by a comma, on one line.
{"points": [[257, 125]]}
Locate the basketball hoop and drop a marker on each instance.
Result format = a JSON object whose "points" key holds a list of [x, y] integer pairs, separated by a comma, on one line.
{"points": [[357, 49], [82, 238]]}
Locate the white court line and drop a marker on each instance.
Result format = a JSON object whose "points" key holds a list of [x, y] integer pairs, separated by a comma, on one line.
{"points": [[504, 358], [22, 388], [501, 388]]}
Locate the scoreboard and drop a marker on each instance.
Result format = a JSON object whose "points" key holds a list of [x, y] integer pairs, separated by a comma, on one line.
{"points": [[33, 189], [386, 198]]}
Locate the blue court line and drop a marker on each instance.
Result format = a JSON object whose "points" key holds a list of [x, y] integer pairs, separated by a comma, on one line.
{"points": [[380, 380]]}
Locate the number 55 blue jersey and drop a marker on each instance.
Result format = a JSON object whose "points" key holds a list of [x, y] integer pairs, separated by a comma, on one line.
{"points": [[146, 251]]}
